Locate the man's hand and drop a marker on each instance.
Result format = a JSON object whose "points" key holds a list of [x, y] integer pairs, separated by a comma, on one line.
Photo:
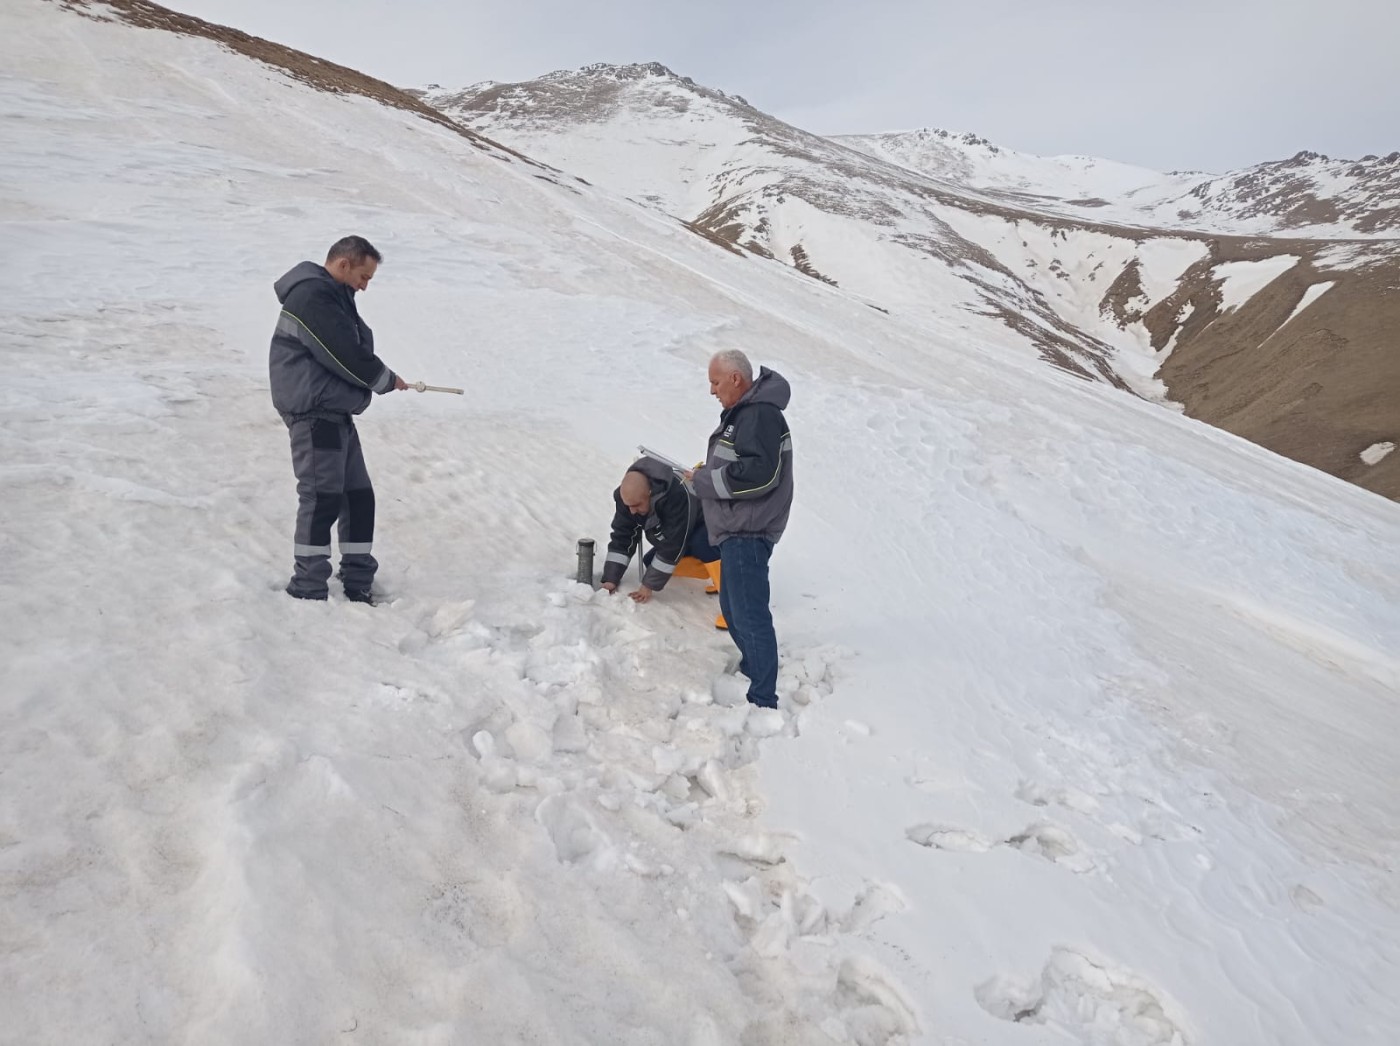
{"points": [[642, 595], [688, 475], [609, 587], [399, 384]]}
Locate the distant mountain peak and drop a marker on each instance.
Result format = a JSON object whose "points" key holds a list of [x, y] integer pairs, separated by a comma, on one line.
{"points": [[630, 71], [590, 92], [956, 137], [638, 71]]}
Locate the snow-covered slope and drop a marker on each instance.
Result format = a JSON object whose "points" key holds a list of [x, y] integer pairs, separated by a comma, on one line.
{"points": [[1087, 710]]}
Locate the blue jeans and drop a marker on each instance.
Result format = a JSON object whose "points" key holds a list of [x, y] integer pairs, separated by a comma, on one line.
{"points": [[743, 600]]}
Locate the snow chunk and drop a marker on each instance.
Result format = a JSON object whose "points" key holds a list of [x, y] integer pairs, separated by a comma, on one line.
{"points": [[1373, 454]]}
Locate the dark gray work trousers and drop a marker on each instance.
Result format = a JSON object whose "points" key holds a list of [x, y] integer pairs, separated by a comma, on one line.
{"points": [[332, 487]]}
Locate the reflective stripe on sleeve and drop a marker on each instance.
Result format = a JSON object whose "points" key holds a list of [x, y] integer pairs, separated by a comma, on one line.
{"points": [[618, 557]]}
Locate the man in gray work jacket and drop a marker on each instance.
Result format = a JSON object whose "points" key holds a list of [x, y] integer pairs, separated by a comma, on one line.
{"points": [[745, 491], [653, 500], [324, 371]]}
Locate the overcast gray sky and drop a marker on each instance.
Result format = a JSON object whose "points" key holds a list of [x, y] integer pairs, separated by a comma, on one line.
{"points": [[1171, 84]]}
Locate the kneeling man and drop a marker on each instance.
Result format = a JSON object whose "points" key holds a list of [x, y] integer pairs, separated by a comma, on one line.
{"points": [[654, 501]]}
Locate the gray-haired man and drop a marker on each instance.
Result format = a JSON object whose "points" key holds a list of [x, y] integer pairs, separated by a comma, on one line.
{"points": [[745, 490], [323, 370]]}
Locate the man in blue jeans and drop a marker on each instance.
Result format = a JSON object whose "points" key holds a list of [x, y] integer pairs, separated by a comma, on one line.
{"points": [[745, 491]]}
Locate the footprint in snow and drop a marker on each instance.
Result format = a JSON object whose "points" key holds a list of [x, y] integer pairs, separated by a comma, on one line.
{"points": [[1044, 840], [944, 837], [1084, 996]]}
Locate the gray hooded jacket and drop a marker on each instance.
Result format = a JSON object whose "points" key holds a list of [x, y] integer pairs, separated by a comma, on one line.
{"points": [[322, 362], [745, 485]]}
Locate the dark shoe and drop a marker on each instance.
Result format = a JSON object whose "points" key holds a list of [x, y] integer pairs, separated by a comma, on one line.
{"points": [[361, 595], [302, 595]]}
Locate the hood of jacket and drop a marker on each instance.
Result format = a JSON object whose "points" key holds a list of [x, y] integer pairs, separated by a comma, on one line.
{"points": [[300, 273], [655, 471], [768, 387]]}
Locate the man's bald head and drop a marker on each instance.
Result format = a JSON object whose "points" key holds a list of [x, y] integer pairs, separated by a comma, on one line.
{"points": [[635, 491]]}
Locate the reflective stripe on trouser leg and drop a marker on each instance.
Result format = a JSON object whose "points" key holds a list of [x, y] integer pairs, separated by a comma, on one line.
{"points": [[318, 460], [357, 566]]}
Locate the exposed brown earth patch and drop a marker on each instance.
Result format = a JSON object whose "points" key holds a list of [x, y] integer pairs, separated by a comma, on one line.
{"points": [[722, 224], [1319, 387], [802, 264], [1122, 293]]}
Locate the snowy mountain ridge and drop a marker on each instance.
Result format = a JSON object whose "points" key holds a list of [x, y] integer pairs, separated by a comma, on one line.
{"points": [[976, 163], [1089, 262], [1306, 195]]}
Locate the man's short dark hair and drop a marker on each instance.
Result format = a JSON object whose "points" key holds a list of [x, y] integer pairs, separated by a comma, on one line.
{"points": [[356, 248]]}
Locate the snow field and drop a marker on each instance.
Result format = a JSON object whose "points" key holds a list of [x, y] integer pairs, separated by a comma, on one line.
{"points": [[1242, 280], [1085, 706]]}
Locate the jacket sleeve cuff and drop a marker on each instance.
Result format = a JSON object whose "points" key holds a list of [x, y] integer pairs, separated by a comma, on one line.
{"points": [[615, 565], [385, 382]]}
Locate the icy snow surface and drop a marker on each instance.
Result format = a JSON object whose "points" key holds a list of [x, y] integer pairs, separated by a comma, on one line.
{"points": [[1088, 711]]}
